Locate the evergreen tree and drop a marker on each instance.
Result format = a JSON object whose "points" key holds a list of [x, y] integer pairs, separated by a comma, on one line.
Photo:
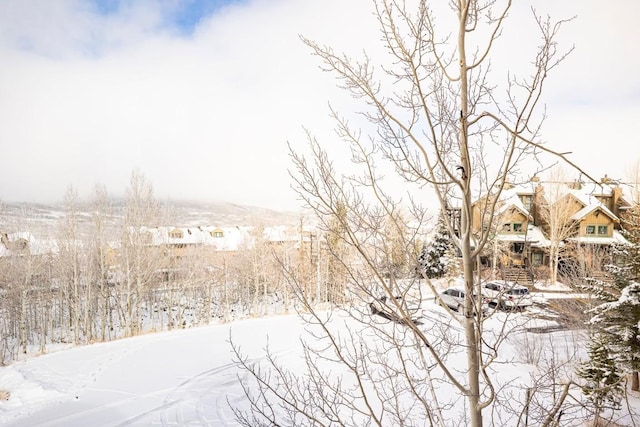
{"points": [[434, 256], [619, 322], [603, 379], [626, 268], [618, 318]]}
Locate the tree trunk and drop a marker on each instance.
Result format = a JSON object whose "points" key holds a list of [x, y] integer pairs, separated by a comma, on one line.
{"points": [[553, 264], [635, 381], [472, 341]]}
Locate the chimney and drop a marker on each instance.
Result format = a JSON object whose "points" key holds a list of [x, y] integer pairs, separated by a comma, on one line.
{"points": [[605, 179], [615, 202]]}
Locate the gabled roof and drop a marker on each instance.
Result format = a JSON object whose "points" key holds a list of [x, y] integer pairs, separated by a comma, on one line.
{"points": [[575, 196], [35, 246], [534, 235], [587, 195], [592, 208], [515, 206], [512, 191], [511, 199]]}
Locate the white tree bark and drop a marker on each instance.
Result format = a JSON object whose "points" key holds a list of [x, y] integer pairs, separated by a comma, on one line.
{"points": [[436, 107]]}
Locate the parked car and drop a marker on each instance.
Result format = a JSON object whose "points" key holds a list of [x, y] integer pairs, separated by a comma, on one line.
{"points": [[507, 295], [454, 299], [384, 307]]}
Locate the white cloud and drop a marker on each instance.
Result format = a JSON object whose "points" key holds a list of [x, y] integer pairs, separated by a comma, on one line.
{"points": [[87, 98]]}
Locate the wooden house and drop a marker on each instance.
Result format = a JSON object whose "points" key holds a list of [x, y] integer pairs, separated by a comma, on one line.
{"points": [[522, 225]]}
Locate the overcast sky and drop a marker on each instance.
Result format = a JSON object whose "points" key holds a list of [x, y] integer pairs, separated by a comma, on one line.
{"points": [[203, 96]]}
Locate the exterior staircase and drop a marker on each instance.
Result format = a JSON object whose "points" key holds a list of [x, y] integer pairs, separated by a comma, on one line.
{"points": [[518, 275]]}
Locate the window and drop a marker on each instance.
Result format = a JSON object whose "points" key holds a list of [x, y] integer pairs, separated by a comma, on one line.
{"points": [[591, 229], [518, 291], [176, 234], [516, 227], [537, 258], [518, 248], [526, 201], [493, 287], [603, 230], [217, 234]]}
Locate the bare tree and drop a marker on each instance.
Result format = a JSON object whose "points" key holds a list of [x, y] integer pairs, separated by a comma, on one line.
{"points": [[28, 304], [633, 180], [70, 264], [100, 254], [139, 258], [443, 119], [334, 281], [556, 212]]}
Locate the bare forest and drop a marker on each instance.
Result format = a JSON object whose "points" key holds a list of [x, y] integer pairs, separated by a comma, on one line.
{"points": [[84, 271]]}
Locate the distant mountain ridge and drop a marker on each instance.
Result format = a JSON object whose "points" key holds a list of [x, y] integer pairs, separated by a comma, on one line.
{"points": [[45, 218]]}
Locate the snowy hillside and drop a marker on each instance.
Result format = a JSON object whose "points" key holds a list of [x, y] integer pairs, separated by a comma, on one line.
{"points": [[42, 219], [176, 378], [189, 378]]}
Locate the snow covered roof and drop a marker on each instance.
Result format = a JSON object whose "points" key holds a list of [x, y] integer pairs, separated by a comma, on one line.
{"points": [[511, 199], [33, 245], [616, 238], [591, 208], [588, 195], [20, 235], [223, 238], [523, 188], [283, 233], [534, 235]]}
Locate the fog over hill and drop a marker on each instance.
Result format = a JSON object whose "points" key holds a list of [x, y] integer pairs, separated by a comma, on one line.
{"points": [[44, 220]]}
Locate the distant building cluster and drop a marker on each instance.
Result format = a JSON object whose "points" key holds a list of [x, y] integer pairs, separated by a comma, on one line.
{"points": [[218, 239], [533, 224]]}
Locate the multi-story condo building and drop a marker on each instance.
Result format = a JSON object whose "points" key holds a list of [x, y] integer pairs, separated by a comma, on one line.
{"points": [[572, 224]]}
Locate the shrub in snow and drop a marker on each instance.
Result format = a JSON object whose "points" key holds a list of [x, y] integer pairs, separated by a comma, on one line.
{"points": [[603, 380], [435, 255]]}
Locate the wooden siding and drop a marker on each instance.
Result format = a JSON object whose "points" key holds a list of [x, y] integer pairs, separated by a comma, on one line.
{"points": [[513, 216], [596, 218]]}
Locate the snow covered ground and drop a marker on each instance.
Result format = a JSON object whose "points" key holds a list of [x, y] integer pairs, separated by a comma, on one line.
{"points": [[175, 378], [186, 377]]}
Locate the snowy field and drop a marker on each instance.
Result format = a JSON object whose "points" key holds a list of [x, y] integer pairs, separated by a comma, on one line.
{"points": [[175, 378], [187, 377]]}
